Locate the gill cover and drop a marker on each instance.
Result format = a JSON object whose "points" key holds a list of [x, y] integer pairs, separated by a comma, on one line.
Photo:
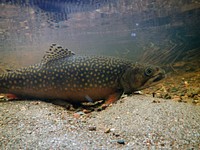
{"points": [[140, 76]]}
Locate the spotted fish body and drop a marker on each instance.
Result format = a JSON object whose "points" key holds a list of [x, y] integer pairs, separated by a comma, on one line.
{"points": [[64, 75]]}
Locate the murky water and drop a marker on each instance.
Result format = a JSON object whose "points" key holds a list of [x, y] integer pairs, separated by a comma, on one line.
{"points": [[147, 31], [161, 32]]}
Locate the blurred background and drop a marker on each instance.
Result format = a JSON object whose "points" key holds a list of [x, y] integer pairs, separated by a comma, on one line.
{"points": [[152, 31]]}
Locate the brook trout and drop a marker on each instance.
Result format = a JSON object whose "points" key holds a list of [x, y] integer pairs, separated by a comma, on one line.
{"points": [[63, 75]]}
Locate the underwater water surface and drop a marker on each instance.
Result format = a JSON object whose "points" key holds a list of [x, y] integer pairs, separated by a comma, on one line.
{"points": [[147, 31]]}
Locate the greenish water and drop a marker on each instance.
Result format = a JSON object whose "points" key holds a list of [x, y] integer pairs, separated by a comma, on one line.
{"points": [[145, 31]]}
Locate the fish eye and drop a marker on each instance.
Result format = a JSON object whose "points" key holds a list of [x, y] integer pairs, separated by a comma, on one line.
{"points": [[148, 71]]}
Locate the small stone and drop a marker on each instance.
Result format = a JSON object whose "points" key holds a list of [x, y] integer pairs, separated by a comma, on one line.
{"points": [[148, 142], [123, 96], [117, 117], [112, 129], [174, 89], [116, 134], [153, 94], [176, 98], [186, 84], [35, 103], [179, 100], [195, 101], [80, 112], [107, 130], [158, 95], [23, 108], [104, 106], [184, 97], [70, 107], [92, 128], [156, 101], [121, 141], [184, 101], [87, 111], [76, 115], [138, 92], [29, 132], [162, 144], [196, 97], [167, 96], [197, 104]]}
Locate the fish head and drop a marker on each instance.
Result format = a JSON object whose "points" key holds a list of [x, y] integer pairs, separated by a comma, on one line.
{"points": [[140, 76]]}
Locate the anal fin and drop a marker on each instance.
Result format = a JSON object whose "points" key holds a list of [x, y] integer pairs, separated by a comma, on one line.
{"points": [[111, 99]]}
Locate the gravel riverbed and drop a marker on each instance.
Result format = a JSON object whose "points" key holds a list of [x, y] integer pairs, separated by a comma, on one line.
{"points": [[135, 122]]}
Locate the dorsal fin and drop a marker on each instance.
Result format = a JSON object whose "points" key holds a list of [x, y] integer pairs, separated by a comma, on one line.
{"points": [[56, 52]]}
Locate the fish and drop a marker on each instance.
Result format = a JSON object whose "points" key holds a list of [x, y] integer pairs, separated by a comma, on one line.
{"points": [[63, 75]]}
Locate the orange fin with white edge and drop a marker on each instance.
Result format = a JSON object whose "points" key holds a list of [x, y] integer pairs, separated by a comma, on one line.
{"points": [[111, 99], [11, 96]]}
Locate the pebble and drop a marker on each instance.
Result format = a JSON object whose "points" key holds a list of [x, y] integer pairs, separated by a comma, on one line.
{"points": [[174, 89], [35, 103], [92, 128], [121, 141], [156, 101], [112, 129], [162, 144], [196, 97], [167, 96], [116, 134], [138, 92], [186, 84], [87, 111], [107, 130], [176, 98], [23, 108], [195, 101], [153, 94], [1, 96], [78, 114], [29, 131], [158, 95]]}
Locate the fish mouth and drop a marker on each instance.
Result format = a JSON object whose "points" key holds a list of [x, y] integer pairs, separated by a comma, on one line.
{"points": [[154, 80], [159, 77]]}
